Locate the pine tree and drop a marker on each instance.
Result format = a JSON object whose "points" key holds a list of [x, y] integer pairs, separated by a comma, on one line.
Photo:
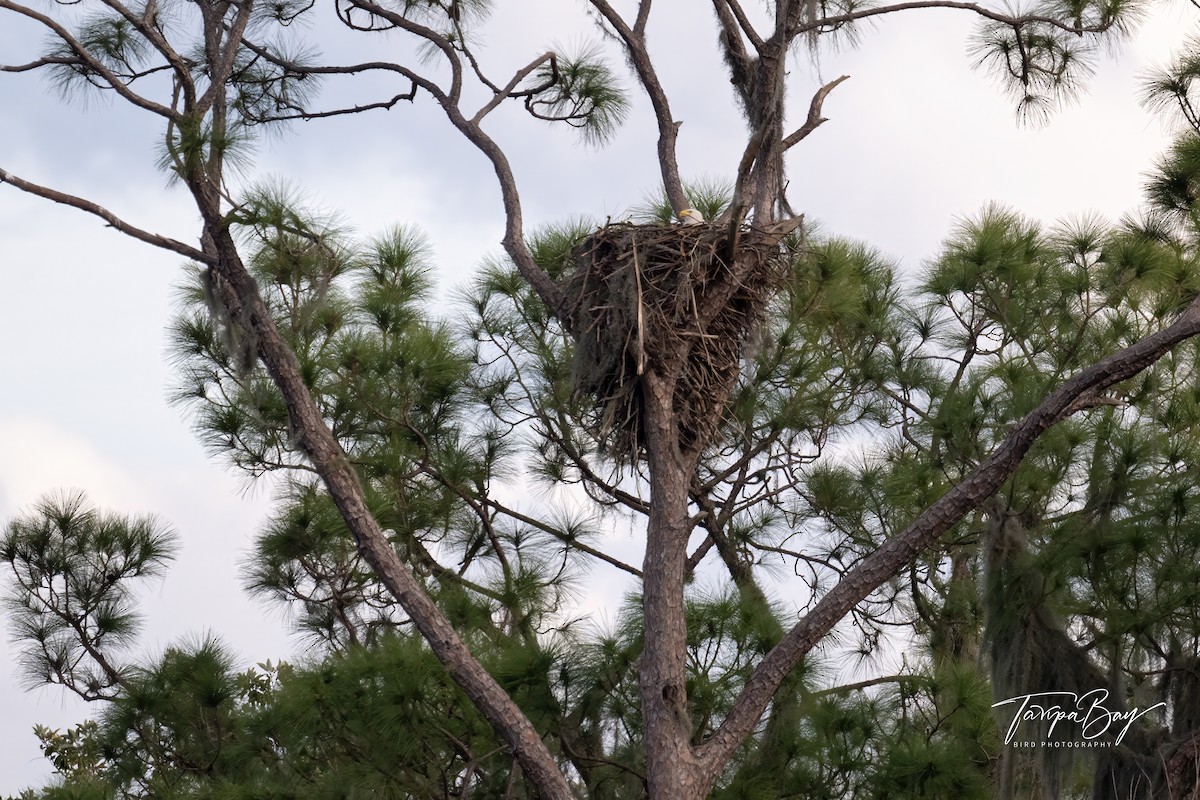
{"points": [[680, 317]]}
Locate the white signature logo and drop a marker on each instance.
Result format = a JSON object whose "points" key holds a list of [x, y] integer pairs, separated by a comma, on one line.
{"points": [[1085, 710]]}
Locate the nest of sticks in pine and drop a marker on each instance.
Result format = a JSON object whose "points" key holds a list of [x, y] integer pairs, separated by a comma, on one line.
{"points": [[642, 295]]}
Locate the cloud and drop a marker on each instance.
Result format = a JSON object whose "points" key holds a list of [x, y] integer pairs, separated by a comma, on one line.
{"points": [[40, 456]]}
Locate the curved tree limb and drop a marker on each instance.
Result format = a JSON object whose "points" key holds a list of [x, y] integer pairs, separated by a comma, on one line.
{"points": [[815, 120], [440, 42], [39, 63], [145, 24], [514, 233], [301, 114]]}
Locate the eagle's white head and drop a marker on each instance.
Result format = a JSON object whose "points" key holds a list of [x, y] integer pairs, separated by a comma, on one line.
{"points": [[690, 216]]}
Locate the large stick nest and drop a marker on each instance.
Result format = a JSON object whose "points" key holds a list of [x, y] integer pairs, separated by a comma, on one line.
{"points": [[670, 299]]}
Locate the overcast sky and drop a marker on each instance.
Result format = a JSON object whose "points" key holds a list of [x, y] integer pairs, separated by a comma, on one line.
{"points": [[915, 139]]}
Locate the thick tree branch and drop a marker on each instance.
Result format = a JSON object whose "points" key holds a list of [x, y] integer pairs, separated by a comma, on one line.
{"points": [[514, 227], [734, 7], [886, 561], [112, 219], [672, 767], [643, 17], [222, 65], [731, 36], [735, 214], [698, 554]]}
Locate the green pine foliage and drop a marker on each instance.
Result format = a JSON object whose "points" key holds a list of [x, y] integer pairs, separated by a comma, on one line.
{"points": [[860, 401], [441, 419], [71, 597]]}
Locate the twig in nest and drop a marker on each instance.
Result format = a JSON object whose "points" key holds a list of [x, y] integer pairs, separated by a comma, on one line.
{"points": [[641, 321]]}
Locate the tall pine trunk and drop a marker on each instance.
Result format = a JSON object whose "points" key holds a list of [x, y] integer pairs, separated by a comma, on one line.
{"points": [[671, 766]]}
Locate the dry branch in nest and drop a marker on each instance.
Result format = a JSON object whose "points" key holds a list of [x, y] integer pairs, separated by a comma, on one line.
{"points": [[671, 299]]}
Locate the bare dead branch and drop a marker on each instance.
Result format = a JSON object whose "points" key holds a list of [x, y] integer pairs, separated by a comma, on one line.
{"points": [[507, 91], [294, 68], [301, 114], [38, 64], [643, 17], [164, 242], [815, 119]]}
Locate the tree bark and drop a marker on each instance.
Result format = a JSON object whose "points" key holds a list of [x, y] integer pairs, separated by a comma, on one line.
{"points": [[671, 766]]}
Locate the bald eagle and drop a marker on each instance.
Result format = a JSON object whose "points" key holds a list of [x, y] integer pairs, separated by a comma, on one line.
{"points": [[690, 216]]}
